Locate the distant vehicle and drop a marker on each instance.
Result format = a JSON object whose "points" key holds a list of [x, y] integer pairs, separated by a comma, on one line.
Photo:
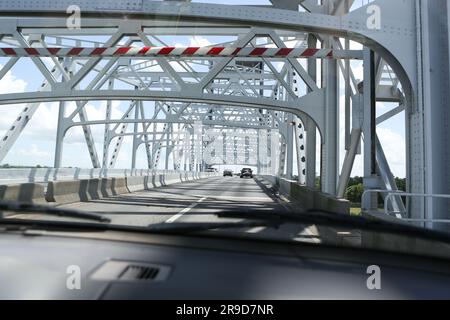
{"points": [[227, 173], [247, 173], [211, 170]]}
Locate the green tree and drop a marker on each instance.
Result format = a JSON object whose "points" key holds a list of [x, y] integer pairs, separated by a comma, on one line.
{"points": [[354, 193], [318, 183], [355, 181], [401, 184]]}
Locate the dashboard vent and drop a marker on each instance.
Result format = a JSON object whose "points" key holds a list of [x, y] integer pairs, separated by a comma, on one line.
{"points": [[116, 270], [135, 272]]}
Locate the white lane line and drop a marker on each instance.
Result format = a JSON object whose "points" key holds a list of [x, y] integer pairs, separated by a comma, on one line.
{"points": [[256, 230], [237, 198], [185, 210]]}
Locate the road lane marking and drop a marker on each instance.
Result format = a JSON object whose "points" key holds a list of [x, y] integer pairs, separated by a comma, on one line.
{"points": [[256, 230], [185, 210], [231, 198]]}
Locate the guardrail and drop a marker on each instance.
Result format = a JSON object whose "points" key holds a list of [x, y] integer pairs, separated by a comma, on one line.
{"points": [[417, 195], [366, 193], [307, 198], [391, 194], [81, 190], [44, 175]]}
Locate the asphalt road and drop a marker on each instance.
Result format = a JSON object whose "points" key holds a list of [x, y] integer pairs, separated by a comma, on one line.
{"points": [[196, 201]]}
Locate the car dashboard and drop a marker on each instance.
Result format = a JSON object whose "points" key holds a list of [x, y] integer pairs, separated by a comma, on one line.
{"points": [[38, 264]]}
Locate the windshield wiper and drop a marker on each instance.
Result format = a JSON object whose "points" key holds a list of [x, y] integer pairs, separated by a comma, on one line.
{"points": [[188, 227], [27, 208], [338, 220]]}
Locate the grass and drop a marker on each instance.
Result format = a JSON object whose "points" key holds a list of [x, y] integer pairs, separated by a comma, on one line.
{"points": [[355, 211]]}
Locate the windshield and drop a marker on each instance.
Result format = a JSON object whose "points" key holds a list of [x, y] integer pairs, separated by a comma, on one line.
{"points": [[148, 114]]}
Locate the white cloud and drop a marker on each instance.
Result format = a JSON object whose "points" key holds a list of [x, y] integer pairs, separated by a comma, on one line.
{"points": [[34, 152], [42, 125], [358, 70], [393, 143], [395, 150], [29, 156], [9, 83], [8, 113], [197, 41], [177, 66]]}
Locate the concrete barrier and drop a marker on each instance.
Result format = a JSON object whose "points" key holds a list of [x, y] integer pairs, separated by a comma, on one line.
{"points": [[119, 186], [159, 180], [306, 198], [67, 191], [106, 188], [135, 184], [154, 181], [398, 243], [93, 190], [172, 178], [84, 190], [148, 182], [26, 192], [44, 175], [63, 192], [113, 186]]}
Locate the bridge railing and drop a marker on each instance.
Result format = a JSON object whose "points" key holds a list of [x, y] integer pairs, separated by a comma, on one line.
{"points": [[391, 195], [305, 198], [44, 175]]}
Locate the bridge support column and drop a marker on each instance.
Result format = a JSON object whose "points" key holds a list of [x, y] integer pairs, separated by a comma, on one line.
{"points": [[290, 147], [310, 126], [369, 130], [262, 147], [428, 129], [310, 154], [135, 137], [60, 132], [169, 146], [275, 152], [198, 145], [330, 157], [106, 139], [61, 128]]}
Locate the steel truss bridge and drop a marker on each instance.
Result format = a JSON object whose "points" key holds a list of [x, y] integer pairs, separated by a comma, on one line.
{"points": [[279, 70]]}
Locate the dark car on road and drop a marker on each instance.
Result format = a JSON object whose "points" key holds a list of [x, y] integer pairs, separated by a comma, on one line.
{"points": [[227, 173], [246, 173]]}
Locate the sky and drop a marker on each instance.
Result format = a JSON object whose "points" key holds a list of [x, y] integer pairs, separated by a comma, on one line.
{"points": [[37, 142]]}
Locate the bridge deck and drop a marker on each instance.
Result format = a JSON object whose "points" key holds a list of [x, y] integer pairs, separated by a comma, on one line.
{"points": [[197, 201]]}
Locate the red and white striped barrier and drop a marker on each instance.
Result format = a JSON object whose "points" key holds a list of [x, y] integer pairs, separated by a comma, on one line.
{"points": [[183, 52]]}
